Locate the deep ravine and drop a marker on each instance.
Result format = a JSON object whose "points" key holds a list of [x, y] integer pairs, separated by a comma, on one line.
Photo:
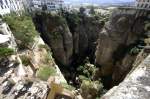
{"points": [[79, 41]]}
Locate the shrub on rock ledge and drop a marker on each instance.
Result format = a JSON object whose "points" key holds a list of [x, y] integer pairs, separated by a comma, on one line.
{"points": [[22, 28], [25, 60], [90, 89], [45, 71], [4, 52]]}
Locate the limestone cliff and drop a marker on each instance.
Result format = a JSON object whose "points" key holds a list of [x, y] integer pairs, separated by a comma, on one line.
{"points": [[136, 84], [56, 34], [70, 38], [122, 32]]}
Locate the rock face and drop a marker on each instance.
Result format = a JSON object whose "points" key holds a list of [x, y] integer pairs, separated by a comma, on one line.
{"points": [[87, 31], [56, 34], [69, 45], [135, 86], [119, 34]]}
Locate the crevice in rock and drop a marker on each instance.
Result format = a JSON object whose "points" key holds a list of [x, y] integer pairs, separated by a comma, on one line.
{"points": [[113, 49]]}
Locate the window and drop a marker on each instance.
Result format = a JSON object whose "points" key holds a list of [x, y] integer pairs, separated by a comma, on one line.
{"points": [[142, 5], [146, 5], [8, 29], [2, 7]]}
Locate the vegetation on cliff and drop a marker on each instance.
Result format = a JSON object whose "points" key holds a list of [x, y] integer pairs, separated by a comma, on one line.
{"points": [[22, 28], [91, 89], [45, 72], [4, 51], [72, 36], [25, 60]]}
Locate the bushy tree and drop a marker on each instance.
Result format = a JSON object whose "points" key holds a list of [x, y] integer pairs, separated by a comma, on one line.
{"points": [[92, 11], [82, 10], [90, 89], [73, 19]]}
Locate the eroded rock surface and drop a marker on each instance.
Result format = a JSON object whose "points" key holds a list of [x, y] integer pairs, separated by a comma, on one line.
{"points": [[118, 36], [56, 34], [69, 44], [135, 86]]}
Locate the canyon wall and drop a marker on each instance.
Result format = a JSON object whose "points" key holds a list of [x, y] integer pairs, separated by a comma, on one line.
{"points": [[73, 36], [71, 40], [120, 35], [136, 84]]}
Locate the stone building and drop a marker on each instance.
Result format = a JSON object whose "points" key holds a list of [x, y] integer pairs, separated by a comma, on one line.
{"points": [[7, 6], [50, 5], [6, 36], [143, 4]]}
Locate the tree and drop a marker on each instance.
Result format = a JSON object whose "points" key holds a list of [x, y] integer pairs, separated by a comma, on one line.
{"points": [[90, 89], [44, 7], [82, 10], [92, 11]]}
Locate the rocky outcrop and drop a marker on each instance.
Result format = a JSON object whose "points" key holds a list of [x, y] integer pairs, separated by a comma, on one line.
{"points": [[56, 34], [69, 44], [136, 84], [119, 35]]}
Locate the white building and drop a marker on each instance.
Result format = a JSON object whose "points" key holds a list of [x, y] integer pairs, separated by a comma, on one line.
{"points": [[7, 6], [6, 36], [37, 4], [3, 8], [54, 4], [50, 5], [143, 4]]}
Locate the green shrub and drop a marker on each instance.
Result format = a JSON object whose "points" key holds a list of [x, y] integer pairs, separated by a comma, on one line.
{"points": [[82, 77], [80, 68], [69, 87], [45, 71], [6, 51], [25, 60], [134, 51], [47, 58], [45, 47], [22, 28], [90, 89], [86, 70], [72, 19]]}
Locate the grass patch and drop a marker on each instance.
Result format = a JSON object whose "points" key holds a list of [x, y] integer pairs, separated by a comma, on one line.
{"points": [[25, 60], [4, 51], [45, 71]]}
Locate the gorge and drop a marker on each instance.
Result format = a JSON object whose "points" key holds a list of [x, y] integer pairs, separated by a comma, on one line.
{"points": [[77, 39]]}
